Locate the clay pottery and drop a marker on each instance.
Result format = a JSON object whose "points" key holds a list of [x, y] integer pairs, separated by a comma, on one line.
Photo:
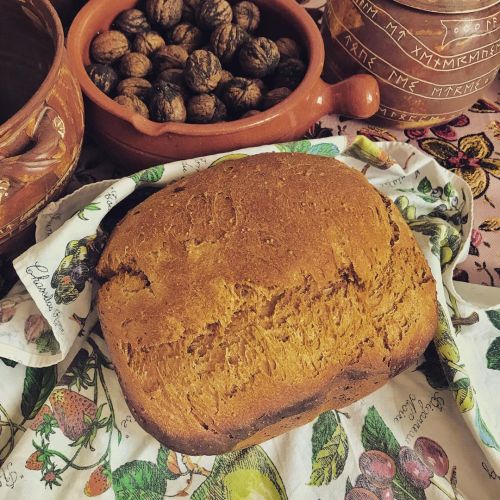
{"points": [[137, 142], [41, 117], [432, 59]]}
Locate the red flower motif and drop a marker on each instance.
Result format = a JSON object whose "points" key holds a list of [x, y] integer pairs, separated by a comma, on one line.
{"points": [[476, 238]]}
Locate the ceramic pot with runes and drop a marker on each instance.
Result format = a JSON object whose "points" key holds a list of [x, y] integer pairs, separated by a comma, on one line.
{"points": [[432, 58]]}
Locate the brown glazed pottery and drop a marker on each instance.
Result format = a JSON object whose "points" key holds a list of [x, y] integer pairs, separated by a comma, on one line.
{"points": [[136, 142], [41, 117], [432, 58]]}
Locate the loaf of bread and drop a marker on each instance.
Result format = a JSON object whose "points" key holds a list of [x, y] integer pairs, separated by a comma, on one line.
{"points": [[246, 299]]}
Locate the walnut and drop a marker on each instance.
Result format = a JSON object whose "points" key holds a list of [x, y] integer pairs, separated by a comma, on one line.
{"points": [[262, 86], [274, 97], [103, 76], [259, 57], [167, 104], [133, 103], [289, 73], [135, 64], [169, 57], [226, 39], [175, 77], [132, 21], [247, 16], [189, 10], [166, 13], [288, 48], [148, 43], [203, 71], [109, 46], [226, 76], [211, 13], [187, 36], [206, 108], [134, 86], [241, 94]]}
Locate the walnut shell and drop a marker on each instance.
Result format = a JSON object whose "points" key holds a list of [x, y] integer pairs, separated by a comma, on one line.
{"points": [[109, 46], [133, 103], [134, 86], [259, 57], [226, 39], [167, 104], [188, 36], [169, 57], [289, 73], [103, 76], [206, 108], [166, 13], [132, 21], [203, 71], [226, 76], [246, 16], [175, 77], [148, 43], [189, 10], [274, 97], [211, 13], [288, 48], [135, 64], [241, 95]]}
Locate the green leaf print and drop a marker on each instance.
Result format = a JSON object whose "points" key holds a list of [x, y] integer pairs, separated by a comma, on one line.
{"points": [[91, 207], [330, 460], [162, 462], [424, 186], [443, 340], [8, 362], [464, 394], [494, 317], [139, 480], [240, 475], [493, 355], [445, 239], [150, 175], [348, 485], [47, 342], [484, 433], [323, 429], [375, 435], [38, 383], [323, 149]]}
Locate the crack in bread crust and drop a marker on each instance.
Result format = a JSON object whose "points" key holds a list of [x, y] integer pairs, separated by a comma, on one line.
{"points": [[269, 289]]}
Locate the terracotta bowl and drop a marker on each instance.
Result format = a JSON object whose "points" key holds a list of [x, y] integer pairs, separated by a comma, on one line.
{"points": [[136, 142], [41, 117]]}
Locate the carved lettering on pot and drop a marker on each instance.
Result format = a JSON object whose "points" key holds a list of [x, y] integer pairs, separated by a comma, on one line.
{"points": [[459, 29], [404, 81], [421, 53]]}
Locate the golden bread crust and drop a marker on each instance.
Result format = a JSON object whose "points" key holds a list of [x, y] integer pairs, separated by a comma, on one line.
{"points": [[244, 300]]}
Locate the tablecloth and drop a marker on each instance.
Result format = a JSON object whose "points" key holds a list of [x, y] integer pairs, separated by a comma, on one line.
{"points": [[432, 432]]}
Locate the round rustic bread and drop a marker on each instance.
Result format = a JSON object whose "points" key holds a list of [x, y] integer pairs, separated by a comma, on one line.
{"points": [[244, 300]]}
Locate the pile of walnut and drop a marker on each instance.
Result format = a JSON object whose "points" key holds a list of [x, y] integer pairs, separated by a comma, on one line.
{"points": [[200, 61]]}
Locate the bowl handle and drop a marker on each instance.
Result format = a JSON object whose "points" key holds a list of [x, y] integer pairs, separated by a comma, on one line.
{"points": [[357, 96], [46, 133]]}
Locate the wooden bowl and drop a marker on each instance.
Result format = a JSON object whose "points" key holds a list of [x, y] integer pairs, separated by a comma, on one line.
{"points": [[137, 142], [41, 117]]}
